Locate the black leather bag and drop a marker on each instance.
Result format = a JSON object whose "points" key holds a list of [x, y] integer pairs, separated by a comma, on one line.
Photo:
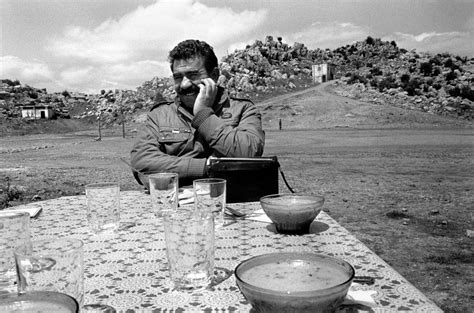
{"points": [[248, 179]]}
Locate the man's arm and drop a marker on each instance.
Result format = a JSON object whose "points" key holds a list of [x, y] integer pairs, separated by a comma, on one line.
{"points": [[147, 157], [246, 139]]}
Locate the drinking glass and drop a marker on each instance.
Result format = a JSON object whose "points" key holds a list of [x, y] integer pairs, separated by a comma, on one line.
{"points": [[189, 237], [14, 232], [210, 196], [164, 193], [103, 207], [51, 265]]}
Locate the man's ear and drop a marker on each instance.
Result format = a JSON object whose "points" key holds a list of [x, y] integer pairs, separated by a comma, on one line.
{"points": [[215, 74]]}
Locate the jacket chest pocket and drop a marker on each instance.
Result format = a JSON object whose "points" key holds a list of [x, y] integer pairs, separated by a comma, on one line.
{"points": [[173, 135]]}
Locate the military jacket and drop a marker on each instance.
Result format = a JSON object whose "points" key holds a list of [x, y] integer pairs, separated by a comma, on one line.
{"points": [[173, 140]]}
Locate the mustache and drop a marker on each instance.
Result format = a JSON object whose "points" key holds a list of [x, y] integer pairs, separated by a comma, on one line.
{"points": [[193, 89]]}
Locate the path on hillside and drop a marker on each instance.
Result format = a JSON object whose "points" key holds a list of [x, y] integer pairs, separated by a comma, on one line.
{"points": [[318, 107]]}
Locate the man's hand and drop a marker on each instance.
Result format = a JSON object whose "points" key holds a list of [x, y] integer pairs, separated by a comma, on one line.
{"points": [[207, 95]]}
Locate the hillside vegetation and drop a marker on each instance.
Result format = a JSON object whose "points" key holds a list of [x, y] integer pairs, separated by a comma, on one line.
{"points": [[371, 70]]}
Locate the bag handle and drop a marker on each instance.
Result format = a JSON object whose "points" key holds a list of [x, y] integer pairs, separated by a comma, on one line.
{"points": [[284, 178]]}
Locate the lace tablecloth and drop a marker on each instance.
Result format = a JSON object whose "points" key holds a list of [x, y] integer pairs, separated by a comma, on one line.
{"points": [[128, 270]]}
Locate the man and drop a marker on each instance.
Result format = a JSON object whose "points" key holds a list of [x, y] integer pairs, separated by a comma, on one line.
{"points": [[202, 121]]}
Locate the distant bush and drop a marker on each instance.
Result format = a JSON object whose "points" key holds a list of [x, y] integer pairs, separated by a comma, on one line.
{"points": [[376, 71], [463, 92], [451, 76], [426, 68], [449, 63], [405, 78], [467, 92], [66, 93], [10, 193], [11, 83], [387, 83], [412, 85], [429, 81], [356, 78], [435, 60], [437, 86], [370, 41], [32, 94]]}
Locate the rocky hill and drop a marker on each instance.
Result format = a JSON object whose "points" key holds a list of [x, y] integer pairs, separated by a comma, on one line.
{"points": [[371, 70]]}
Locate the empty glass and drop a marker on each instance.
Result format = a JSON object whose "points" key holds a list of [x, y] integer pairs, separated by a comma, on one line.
{"points": [[14, 232], [210, 196], [103, 207], [51, 265], [190, 248], [164, 193]]}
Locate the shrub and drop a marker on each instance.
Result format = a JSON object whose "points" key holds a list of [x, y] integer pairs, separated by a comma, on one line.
{"points": [[436, 71], [435, 60], [467, 92], [451, 76], [7, 81], [387, 83], [376, 71], [449, 63], [370, 41], [426, 68], [356, 78], [405, 78], [65, 93], [10, 193], [393, 43], [412, 85]]}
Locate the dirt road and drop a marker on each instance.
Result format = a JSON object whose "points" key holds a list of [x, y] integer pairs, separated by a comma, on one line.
{"points": [[401, 181], [318, 108]]}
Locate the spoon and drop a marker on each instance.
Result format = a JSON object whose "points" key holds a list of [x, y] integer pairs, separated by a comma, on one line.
{"points": [[235, 212]]}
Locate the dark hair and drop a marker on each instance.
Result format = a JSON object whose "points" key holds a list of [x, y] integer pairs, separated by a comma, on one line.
{"points": [[191, 48]]}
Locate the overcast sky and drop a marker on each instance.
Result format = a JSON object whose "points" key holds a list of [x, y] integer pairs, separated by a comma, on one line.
{"points": [[89, 45]]}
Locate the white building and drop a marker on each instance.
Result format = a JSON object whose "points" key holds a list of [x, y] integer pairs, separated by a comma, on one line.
{"points": [[36, 112], [323, 72]]}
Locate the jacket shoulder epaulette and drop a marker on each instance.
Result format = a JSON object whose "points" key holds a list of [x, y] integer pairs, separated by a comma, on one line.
{"points": [[160, 104], [241, 99]]}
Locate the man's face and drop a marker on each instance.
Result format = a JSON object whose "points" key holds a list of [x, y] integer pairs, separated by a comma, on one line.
{"points": [[187, 74]]}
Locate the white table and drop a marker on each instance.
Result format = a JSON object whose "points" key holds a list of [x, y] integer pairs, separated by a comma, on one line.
{"points": [[128, 270]]}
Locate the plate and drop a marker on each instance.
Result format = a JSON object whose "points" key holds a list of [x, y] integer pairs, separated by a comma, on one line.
{"points": [[33, 211]]}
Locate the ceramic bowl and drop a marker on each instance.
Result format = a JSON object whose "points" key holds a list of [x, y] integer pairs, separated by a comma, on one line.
{"points": [[38, 301], [292, 213], [294, 282]]}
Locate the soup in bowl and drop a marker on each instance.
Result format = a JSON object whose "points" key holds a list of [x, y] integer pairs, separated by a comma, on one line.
{"points": [[294, 282], [292, 213]]}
